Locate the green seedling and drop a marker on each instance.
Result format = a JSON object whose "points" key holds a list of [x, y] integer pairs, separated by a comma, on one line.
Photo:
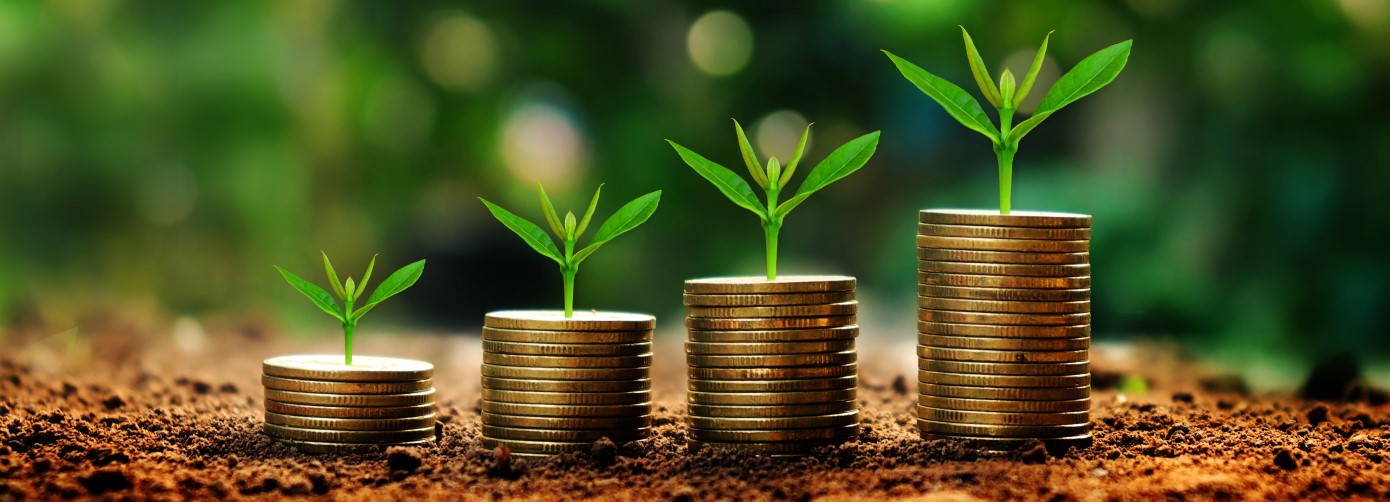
{"points": [[570, 229], [773, 177], [349, 292], [1091, 74]]}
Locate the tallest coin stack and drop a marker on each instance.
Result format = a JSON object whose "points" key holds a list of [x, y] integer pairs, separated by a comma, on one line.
{"points": [[1004, 327]]}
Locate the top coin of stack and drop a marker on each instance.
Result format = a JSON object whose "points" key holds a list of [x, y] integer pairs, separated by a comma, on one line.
{"points": [[553, 384], [1004, 327], [773, 367], [318, 404]]}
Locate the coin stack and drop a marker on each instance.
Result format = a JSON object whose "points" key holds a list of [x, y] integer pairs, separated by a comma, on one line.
{"points": [[553, 384], [1004, 325], [773, 366], [319, 404]]}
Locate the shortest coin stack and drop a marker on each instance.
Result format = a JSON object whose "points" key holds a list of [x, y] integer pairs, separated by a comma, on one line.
{"points": [[773, 366], [319, 404], [553, 384]]}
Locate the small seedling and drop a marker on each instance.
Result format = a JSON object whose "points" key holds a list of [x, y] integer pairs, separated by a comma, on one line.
{"points": [[846, 159], [349, 292], [1091, 74], [570, 229]]}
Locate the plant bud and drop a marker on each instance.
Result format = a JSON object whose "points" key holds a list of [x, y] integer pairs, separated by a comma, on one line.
{"points": [[570, 224], [774, 172], [1007, 87], [351, 288]]}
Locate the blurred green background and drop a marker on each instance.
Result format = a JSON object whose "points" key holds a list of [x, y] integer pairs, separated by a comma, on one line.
{"points": [[156, 158]]}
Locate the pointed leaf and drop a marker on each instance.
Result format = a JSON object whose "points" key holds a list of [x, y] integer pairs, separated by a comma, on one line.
{"points": [[627, 218], [395, 283], [842, 162], [956, 101], [321, 298], [1021, 130], [750, 158], [1027, 85], [550, 215], [977, 68], [774, 172], [529, 232], [796, 157], [365, 277], [588, 214], [332, 276], [728, 183], [1087, 77], [790, 204]]}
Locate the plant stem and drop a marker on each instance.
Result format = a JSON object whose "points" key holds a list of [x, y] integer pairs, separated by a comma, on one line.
{"points": [[771, 225], [1005, 150], [568, 273], [348, 326]]}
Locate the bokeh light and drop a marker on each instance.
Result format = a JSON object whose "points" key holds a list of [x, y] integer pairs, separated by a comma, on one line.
{"points": [[540, 142], [720, 43], [459, 52], [776, 135]]}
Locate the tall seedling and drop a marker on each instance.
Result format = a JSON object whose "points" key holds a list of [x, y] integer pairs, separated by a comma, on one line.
{"points": [[349, 292]]}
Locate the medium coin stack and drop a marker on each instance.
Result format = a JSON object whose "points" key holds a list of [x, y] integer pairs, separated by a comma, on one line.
{"points": [[772, 364], [553, 384], [319, 404], [1004, 325]]}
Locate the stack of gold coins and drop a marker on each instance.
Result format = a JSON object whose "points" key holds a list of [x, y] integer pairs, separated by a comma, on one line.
{"points": [[773, 366], [553, 384], [320, 404], [1004, 325]]}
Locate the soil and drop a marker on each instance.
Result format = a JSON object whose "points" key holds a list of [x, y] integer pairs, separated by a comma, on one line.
{"points": [[172, 423]]}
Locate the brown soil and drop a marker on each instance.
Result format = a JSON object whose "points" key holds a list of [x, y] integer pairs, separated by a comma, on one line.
{"points": [[154, 425]]}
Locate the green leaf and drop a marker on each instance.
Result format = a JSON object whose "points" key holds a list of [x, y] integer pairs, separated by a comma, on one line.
{"points": [[750, 158], [365, 277], [796, 157], [774, 172], [1021, 130], [1087, 77], [549, 209], [593, 204], [977, 68], [529, 232], [321, 298], [627, 218], [332, 276], [1027, 85], [955, 100], [728, 183], [395, 283], [842, 162]]}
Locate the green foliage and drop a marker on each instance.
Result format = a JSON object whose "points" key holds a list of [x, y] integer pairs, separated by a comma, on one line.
{"points": [[350, 291], [1088, 76], [845, 160], [570, 229]]}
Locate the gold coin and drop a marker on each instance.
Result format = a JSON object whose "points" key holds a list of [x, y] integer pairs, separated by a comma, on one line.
{"points": [[765, 299], [999, 405], [772, 336], [333, 368], [995, 331], [639, 361], [1013, 307], [773, 373], [804, 384], [770, 398], [791, 410], [555, 320], [523, 421], [700, 323], [774, 435], [567, 398], [566, 411], [1003, 319], [526, 373], [362, 400], [798, 448], [566, 337], [956, 267], [1004, 294], [982, 343], [564, 435], [331, 436], [318, 448], [1027, 381], [998, 418], [703, 348], [822, 310], [308, 410], [841, 419], [350, 424], [537, 447], [1075, 368], [997, 232], [994, 219], [1013, 245], [567, 385], [1058, 445], [1003, 281], [965, 255], [760, 285], [1002, 431], [1003, 356], [324, 387], [773, 361], [1005, 393], [567, 349]]}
